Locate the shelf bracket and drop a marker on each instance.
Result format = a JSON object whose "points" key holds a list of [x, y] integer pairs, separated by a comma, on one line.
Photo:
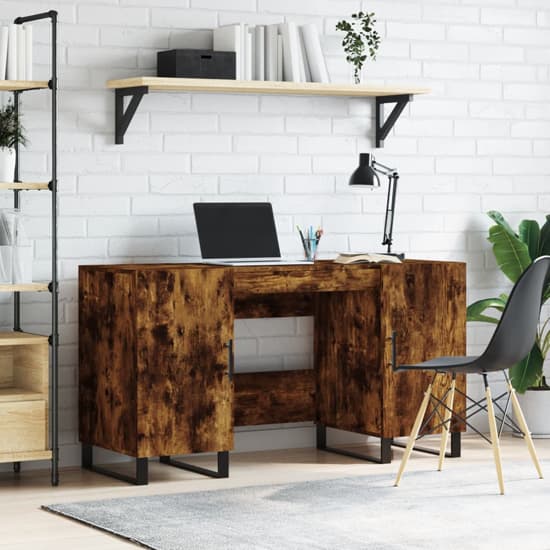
{"points": [[384, 128], [124, 117]]}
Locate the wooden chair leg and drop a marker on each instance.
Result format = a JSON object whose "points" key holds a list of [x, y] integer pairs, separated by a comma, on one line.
{"points": [[446, 424], [414, 433], [525, 429], [494, 437]]}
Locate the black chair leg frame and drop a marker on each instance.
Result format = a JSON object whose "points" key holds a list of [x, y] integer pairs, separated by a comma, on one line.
{"points": [[141, 476]]}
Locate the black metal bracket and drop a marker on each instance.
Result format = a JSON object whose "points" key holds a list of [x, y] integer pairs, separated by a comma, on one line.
{"points": [[384, 128], [455, 451], [124, 117], [383, 458], [221, 472], [142, 467]]}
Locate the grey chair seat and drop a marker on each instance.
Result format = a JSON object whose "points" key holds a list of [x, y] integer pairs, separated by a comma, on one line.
{"points": [[458, 365]]}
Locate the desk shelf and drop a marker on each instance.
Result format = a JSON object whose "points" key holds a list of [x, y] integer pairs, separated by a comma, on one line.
{"points": [[25, 186], [137, 87], [23, 85]]}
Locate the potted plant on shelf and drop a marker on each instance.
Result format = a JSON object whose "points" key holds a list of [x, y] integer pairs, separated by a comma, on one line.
{"points": [[514, 252], [360, 42], [11, 133]]}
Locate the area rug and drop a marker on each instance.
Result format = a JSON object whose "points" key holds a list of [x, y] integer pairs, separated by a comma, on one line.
{"points": [[455, 509]]}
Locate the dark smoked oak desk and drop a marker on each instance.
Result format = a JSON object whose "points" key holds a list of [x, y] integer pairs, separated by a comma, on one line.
{"points": [[156, 355]]}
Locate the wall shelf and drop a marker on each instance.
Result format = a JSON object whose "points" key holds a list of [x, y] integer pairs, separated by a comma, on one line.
{"points": [[22, 186], [24, 287], [135, 88], [22, 85]]}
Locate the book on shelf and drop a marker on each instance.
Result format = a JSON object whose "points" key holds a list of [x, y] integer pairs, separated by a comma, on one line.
{"points": [[366, 258], [271, 51], [259, 52], [3, 52], [314, 54], [12, 52]]}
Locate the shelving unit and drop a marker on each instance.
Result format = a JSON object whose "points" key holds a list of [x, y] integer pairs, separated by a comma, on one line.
{"points": [[136, 88], [29, 362]]}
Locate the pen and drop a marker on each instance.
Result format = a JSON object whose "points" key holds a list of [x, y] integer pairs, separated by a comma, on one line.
{"points": [[303, 240]]}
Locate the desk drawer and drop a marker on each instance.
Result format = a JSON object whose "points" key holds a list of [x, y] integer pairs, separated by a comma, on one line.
{"points": [[22, 426]]}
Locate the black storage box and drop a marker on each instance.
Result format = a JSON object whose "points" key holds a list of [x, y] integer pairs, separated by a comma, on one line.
{"points": [[196, 64]]}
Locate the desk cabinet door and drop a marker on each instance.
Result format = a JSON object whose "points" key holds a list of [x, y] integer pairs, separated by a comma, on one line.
{"points": [[185, 392]]}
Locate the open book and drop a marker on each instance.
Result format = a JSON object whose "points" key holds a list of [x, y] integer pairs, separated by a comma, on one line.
{"points": [[351, 258]]}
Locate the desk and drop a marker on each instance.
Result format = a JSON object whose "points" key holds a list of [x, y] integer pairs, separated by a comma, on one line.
{"points": [[156, 374]]}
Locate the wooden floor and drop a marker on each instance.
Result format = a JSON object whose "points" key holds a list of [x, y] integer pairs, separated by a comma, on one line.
{"points": [[24, 526]]}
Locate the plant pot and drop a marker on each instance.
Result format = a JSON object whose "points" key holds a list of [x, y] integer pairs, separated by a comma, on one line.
{"points": [[7, 165], [536, 409]]}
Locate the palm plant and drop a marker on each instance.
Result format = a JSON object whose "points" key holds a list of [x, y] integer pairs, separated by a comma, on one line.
{"points": [[11, 129], [514, 252]]}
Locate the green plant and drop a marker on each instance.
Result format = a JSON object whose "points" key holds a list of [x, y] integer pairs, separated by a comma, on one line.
{"points": [[11, 129], [514, 252], [361, 40]]}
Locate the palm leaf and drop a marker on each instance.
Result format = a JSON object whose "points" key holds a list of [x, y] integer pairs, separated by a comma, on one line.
{"points": [[476, 311], [544, 241], [527, 373], [512, 255], [498, 218], [529, 233]]}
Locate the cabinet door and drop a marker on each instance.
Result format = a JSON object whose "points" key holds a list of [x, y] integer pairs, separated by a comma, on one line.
{"points": [[185, 391]]}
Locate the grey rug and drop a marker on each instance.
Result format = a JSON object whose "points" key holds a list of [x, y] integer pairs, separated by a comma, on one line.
{"points": [[454, 509]]}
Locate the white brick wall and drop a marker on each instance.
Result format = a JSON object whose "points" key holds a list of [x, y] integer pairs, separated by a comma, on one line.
{"points": [[479, 141]]}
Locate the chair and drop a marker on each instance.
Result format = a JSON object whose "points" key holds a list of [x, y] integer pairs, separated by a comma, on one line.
{"points": [[512, 340]]}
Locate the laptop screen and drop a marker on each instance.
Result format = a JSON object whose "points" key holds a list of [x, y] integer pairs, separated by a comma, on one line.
{"points": [[236, 230]]}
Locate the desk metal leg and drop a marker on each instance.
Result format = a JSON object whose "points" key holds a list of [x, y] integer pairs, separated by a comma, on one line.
{"points": [[385, 448], [142, 467], [223, 466], [455, 447]]}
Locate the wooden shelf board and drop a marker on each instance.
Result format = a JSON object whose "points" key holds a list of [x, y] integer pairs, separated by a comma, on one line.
{"points": [[25, 186], [21, 339], [24, 456], [23, 287], [155, 83], [8, 395], [18, 85]]}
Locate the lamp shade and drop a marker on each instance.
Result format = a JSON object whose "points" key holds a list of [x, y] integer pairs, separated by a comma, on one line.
{"points": [[365, 174]]}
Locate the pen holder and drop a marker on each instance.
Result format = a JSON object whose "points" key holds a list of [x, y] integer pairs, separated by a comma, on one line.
{"points": [[310, 248]]}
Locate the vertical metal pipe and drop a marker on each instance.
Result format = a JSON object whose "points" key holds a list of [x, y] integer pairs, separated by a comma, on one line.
{"points": [[16, 295], [55, 293]]}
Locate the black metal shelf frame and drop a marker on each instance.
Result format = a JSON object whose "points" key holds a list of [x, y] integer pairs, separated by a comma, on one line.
{"points": [[123, 116], [53, 285]]}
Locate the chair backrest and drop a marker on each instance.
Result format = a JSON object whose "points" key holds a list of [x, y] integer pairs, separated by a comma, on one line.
{"points": [[516, 331]]}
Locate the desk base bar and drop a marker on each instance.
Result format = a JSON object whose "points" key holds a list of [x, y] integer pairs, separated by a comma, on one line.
{"points": [[142, 468], [455, 451], [383, 458], [223, 466]]}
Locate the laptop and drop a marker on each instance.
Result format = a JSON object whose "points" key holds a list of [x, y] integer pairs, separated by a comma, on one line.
{"points": [[238, 233]]}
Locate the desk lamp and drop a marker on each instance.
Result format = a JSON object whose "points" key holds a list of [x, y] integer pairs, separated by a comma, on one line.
{"points": [[367, 174]]}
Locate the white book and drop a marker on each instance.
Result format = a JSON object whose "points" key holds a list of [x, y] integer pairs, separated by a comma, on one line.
{"points": [[280, 75], [271, 40], [259, 52], [291, 47], [21, 53], [3, 52], [28, 52], [304, 64], [228, 39], [12, 52], [245, 49], [249, 72], [314, 53]]}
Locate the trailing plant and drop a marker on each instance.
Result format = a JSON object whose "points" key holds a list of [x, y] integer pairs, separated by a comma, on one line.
{"points": [[11, 129], [514, 253], [361, 40]]}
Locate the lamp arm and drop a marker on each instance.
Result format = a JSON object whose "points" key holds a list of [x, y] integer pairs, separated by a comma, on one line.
{"points": [[390, 209], [383, 169]]}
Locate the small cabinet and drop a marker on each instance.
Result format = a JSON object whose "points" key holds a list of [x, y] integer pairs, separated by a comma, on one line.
{"points": [[24, 360]]}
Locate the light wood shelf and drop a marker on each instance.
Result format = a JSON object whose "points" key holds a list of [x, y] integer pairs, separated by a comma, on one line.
{"points": [[8, 395], [156, 83], [23, 287], [21, 339], [25, 186], [25, 456], [18, 85]]}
